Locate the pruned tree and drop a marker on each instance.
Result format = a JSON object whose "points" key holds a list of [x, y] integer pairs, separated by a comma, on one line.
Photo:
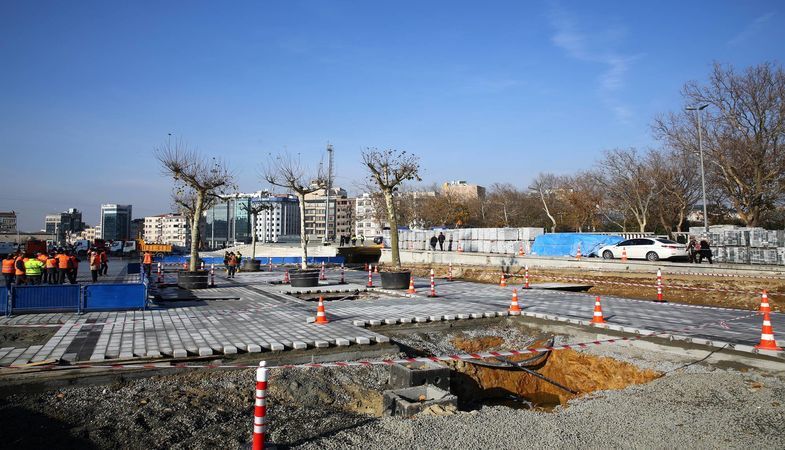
{"points": [[388, 169], [254, 209], [629, 183], [548, 187], [204, 177], [743, 131], [184, 200], [289, 173]]}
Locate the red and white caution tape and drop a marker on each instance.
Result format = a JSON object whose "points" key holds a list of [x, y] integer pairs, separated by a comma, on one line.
{"points": [[390, 362]]}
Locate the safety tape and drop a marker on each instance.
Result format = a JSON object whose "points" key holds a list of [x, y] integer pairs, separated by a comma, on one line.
{"points": [[651, 286], [728, 275], [390, 362]]}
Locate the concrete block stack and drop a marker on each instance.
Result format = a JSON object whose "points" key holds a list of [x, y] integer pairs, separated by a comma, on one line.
{"points": [[477, 240], [745, 245]]}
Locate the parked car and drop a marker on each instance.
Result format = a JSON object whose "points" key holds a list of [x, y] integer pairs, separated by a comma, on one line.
{"points": [[652, 249]]}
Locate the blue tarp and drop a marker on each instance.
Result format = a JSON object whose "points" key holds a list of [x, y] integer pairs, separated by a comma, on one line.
{"points": [[566, 244]]}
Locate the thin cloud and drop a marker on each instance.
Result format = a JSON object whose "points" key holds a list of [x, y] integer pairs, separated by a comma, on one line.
{"points": [[595, 47], [751, 29]]}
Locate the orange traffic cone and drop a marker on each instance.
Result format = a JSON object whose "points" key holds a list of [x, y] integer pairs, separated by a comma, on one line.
{"points": [[515, 309], [411, 286], [321, 317], [376, 269], [503, 281], [520, 250], [185, 265], [578, 253], [286, 277], [624, 254], [764, 303], [597, 312], [767, 341]]}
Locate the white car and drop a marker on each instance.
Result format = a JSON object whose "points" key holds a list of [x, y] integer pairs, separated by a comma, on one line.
{"points": [[652, 249]]}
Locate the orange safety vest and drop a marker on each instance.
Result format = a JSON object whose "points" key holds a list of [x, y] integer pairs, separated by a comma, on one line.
{"points": [[51, 263], [232, 260], [74, 262], [62, 261], [95, 260], [8, 266], [148, 258], [18, 271], [42, 258], [104, 258]]}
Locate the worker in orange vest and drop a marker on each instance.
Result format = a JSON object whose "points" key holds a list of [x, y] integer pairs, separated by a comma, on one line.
{"points": [[51, 270], [104, 262], [95, 265], [63, 263], [8, 270], [147, 262], [232, 265], [19, 269], [73, 269]]}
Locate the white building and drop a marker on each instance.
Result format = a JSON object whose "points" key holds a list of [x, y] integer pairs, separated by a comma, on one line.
{"points": [[166, 229], [365, 213], [279, 223]]}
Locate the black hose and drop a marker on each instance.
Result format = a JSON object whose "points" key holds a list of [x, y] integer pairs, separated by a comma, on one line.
{"points": [[536, 374]]}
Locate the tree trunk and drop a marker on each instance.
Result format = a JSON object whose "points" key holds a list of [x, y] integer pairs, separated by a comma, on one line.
{"points": [[195, 231], [391, 217], [253, 237], [303, 236]]}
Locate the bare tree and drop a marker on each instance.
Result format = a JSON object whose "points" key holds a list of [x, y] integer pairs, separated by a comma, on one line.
{"points": [[204, 178], [184, 200], [289, 173], [581, 196], [548, 187], [629, 182], [254, 209], [680, 183], [389, 168], [743, 130]]}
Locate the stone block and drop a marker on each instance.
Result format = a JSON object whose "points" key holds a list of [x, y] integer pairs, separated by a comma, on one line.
{"points": [[419, 374], [410, 401]]}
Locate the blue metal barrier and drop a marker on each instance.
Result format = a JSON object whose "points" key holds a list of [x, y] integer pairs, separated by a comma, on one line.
{"points": [[134, 268], [45, 298], [3, 300], [277, 260], [102, 297]]}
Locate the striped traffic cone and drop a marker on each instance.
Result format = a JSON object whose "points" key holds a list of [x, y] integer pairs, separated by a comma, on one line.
{"points": [[376, 269], [411, 286], [370, 278], [526, 277], [321, 316], [503, 281], [286, 277], [343, 275], [764, 303], [322, 276], [624, 254], [520, 250], [515, 309], [767, 341], [597, 312], [578, 253], [659, 286], [449, 272], [260, 407]]}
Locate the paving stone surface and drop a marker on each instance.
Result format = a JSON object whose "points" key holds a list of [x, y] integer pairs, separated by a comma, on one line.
{"points": [[254, 312]]}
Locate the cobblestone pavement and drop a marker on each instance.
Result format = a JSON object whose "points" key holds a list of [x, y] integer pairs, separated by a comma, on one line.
{"points": [[254, 312]]}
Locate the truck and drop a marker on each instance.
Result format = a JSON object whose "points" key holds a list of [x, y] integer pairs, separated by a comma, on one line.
{"points": [[6, 248], [139, 246], [116, 248], [34, 246]]}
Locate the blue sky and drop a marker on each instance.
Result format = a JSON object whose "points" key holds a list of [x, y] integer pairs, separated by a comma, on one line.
{"points": [[481, 91]]}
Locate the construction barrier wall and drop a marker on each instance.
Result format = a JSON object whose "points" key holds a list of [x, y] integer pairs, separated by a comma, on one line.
{"points": [[74, 298], [45, 298], [480, 240], [110, 297]]}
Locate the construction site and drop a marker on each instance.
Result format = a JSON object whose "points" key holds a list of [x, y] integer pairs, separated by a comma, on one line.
{"points": [[578, 352]]}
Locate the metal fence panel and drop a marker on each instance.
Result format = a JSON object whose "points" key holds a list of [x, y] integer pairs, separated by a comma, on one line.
{"points": [[115, 296], [45, 298]]}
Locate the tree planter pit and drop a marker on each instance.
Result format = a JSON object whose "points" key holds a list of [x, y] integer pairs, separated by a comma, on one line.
{"points": [[396, 280], [193, 280], [304, 278]]}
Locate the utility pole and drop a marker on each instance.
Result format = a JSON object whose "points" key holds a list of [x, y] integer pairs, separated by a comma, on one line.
{"points": [[698, 110]]}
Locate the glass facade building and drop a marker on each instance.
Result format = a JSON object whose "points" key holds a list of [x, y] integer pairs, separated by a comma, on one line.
{"points": [[115, 222], [228, 223]]}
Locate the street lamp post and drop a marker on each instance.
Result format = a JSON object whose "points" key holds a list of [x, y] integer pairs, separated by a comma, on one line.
{"points": [[698, 110]]}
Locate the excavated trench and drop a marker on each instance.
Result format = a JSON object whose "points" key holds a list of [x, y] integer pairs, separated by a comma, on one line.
{"points": [[547, 380]]}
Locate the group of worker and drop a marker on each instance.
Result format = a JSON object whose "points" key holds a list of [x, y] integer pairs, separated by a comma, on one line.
{"points": [[54, 268]]}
